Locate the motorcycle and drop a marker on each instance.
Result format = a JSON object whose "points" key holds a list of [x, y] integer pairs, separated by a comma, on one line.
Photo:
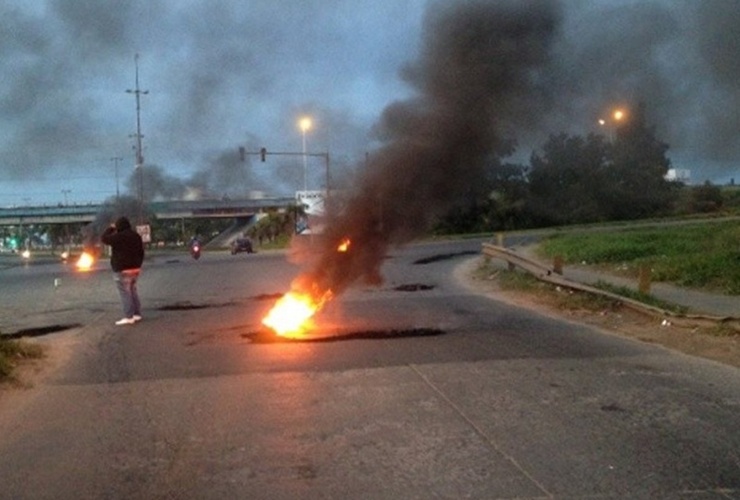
{"points": [[195, 250]]}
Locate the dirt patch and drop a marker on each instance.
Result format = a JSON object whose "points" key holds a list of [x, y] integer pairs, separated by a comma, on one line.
{"points": [[34, 372], [710, 342]]}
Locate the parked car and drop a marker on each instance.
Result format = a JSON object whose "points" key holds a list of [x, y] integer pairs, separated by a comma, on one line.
{"points": [[242, 245]]}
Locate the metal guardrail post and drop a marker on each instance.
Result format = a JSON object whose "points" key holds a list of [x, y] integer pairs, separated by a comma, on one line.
{"points": [[644, 279], [557, 265]]}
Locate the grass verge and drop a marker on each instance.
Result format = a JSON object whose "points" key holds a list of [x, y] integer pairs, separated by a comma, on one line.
{"points": [[571, 299], [644, 298], [13, 352], [701, 255]]}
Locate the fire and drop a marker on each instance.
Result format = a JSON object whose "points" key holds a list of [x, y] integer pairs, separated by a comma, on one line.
{"points": [[85, 262], [344, 245], [292, 315]]}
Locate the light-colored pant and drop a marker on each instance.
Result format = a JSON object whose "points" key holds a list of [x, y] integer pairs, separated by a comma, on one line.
{"points": [[126, 284]]}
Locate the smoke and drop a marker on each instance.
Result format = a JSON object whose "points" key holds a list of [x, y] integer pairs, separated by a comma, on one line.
{"points": [[111, 209], [219, 73], [677, 57], [223, 176], [478, 74]]}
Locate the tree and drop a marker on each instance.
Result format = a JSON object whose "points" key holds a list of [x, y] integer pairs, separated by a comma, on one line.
{"points": [[567, 180], [585, 180], [636, 171], [706, 198]]}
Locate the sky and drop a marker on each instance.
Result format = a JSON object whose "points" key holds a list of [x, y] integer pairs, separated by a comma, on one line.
{"points": [[221, 74]]}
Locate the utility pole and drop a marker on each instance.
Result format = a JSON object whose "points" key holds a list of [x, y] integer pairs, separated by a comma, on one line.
{"points": [[116, 159], [139, 157]]}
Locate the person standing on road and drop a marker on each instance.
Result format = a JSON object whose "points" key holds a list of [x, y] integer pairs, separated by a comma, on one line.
{"points": [[127, 256]]}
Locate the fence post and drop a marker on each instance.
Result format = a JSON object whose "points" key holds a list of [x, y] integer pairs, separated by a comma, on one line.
{"points": [[644, 279], [500, 239], [557, 265]]}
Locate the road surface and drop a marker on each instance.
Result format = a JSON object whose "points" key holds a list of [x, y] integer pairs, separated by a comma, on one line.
{"points": [[418, 389]]}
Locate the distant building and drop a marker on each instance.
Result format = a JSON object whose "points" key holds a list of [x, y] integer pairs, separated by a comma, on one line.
{"points": [[678, 175]]}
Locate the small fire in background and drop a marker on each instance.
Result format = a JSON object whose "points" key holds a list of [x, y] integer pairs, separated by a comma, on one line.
{"points": [[85, 262], [344, 245]]}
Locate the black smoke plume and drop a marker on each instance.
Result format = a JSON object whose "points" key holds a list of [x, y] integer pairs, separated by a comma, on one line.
{"points": [[478, 74], [110, 210]]}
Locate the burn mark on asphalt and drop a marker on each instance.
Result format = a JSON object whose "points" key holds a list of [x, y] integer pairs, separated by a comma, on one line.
{"points": [[267, 296], [413, 287], [187, 306], [269, 337], [444, 256], [39, 331], [612, 407]]}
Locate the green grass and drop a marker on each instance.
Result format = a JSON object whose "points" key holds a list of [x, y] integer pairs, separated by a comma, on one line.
{"points": [[701, 255], [12, 351], [519, 281], [644, 298]]}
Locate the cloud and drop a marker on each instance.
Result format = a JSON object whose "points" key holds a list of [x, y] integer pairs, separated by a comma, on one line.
{"points": [[220, 72]]}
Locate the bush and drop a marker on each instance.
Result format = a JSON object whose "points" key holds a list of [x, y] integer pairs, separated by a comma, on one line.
{"points": [[13, 350]]}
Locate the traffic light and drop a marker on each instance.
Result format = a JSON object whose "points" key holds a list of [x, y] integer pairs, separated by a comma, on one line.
{"points": [[242, 153], [263, 153]]}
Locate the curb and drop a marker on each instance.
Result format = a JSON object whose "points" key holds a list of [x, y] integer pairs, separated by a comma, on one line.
{"points": [[548, 275]]}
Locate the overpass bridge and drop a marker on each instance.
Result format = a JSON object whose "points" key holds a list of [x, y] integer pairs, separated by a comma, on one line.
{"points": [[163, 210]]}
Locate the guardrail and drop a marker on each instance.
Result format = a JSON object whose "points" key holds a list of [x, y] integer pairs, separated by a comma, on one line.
{"points": [[549, 275]]}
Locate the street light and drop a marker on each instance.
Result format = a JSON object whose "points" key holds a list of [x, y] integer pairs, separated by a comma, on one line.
{"points": [[116, 159], [139, 157], [612, 122], [305, 125]]}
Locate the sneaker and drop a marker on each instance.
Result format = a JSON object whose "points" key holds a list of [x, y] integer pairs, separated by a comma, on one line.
{"points": [[125, 321], [136, 317]]}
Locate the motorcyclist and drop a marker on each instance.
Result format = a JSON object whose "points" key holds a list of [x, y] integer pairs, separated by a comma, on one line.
{"points": [[195, 247]]}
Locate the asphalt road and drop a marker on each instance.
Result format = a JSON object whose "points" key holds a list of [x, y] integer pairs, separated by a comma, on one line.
{"points": [[416, 389]]}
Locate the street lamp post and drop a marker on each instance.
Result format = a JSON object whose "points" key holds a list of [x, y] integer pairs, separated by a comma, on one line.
{"points": [[139, 157], [115, 160], [612, 122], [305, 125]]}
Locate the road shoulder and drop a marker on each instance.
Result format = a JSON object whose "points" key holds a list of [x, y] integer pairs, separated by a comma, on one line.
{"points": [[617, 320]]}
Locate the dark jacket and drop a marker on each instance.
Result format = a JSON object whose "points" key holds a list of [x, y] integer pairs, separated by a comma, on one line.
{"points": [[127, 249]]}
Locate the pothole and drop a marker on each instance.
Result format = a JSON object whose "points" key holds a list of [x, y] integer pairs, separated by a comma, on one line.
{"points": [[182, 306], [445, 256], [269, 337], [413, 287], [39, 331]]}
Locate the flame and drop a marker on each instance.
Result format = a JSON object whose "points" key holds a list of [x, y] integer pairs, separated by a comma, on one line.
{"points": [[292, 315], [85, 262], [344, 245]]}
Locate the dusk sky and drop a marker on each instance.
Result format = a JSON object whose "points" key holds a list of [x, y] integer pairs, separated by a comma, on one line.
{"points": [[224, 73]]}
